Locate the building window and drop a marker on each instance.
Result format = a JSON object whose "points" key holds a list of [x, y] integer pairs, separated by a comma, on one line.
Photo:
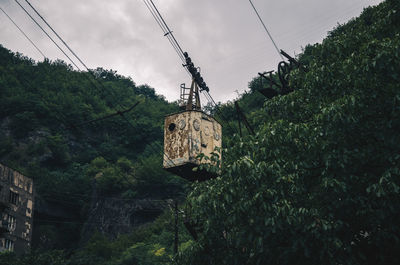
{"points": [[13, 197], [12, 223], [9, 245], [10, 176]]}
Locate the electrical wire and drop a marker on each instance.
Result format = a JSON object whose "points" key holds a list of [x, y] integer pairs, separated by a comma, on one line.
{"points": [[76, 203], [66, 45], [45, 32], [265, 28], [169, 31], [165, 29], [26, 36], [73, 53], [81, 196], [82, 223]]}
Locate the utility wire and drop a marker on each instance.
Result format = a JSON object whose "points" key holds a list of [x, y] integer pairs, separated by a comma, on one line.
{"points": [[262, 22], [108, 116], [45, 32], [165, 29], [81, 196], [162, 26], [66, 45], [83, 223], [15, 24], [169, 31]]}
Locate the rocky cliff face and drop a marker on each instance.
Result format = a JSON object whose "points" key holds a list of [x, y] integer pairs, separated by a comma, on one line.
{"points": [[110, 216], [115, 215]]}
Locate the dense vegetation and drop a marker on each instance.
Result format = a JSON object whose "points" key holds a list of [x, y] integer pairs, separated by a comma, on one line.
{"points": [[318, 183], [44, 109], [43, 134]]}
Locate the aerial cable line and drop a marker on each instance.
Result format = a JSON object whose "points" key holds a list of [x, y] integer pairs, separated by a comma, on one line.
{"points": [[108, 116], [47, 35], [80, 195], [265, 28], [166, 34], [56, 43], [66, 45], [15, 24], [165, 29], [169, 31]]}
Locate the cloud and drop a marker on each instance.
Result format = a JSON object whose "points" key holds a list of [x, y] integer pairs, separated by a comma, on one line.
{"points": [[223, 37]]}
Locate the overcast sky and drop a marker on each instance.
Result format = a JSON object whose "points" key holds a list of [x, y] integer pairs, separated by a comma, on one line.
{"points": [[223, 37]]}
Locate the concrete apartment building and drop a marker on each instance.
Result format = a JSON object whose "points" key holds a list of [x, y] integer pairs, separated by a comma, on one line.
{"points": [[16, 211]]}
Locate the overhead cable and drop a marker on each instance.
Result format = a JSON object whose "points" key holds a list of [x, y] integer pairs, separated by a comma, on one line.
{"points": [[164, 27], [108, 116], [265, 28], [169, 31], [15, 24], [45, 32], [66, 45]]}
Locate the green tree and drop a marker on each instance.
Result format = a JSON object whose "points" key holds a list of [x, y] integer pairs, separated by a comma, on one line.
{"points": [[319, 183]]}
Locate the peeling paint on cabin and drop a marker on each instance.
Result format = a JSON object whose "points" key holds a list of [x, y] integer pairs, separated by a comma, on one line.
{"points": [[186, 135]]}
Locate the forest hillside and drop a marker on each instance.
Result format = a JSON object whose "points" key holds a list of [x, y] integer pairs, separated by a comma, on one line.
{"points": [[52, 129], [317, 183]]}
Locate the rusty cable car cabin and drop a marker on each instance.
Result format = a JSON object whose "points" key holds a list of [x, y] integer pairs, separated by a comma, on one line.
{"points": [[189, 133]]}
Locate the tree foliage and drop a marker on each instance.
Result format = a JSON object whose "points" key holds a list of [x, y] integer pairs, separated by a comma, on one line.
{"points": [[44, 134], [319, 183]]}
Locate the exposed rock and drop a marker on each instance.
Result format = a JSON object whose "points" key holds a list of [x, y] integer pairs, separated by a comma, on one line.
{"points": [[114, 216]]}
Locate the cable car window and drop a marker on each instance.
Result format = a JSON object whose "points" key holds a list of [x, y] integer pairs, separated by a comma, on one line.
{"points": [[171, 127]]}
